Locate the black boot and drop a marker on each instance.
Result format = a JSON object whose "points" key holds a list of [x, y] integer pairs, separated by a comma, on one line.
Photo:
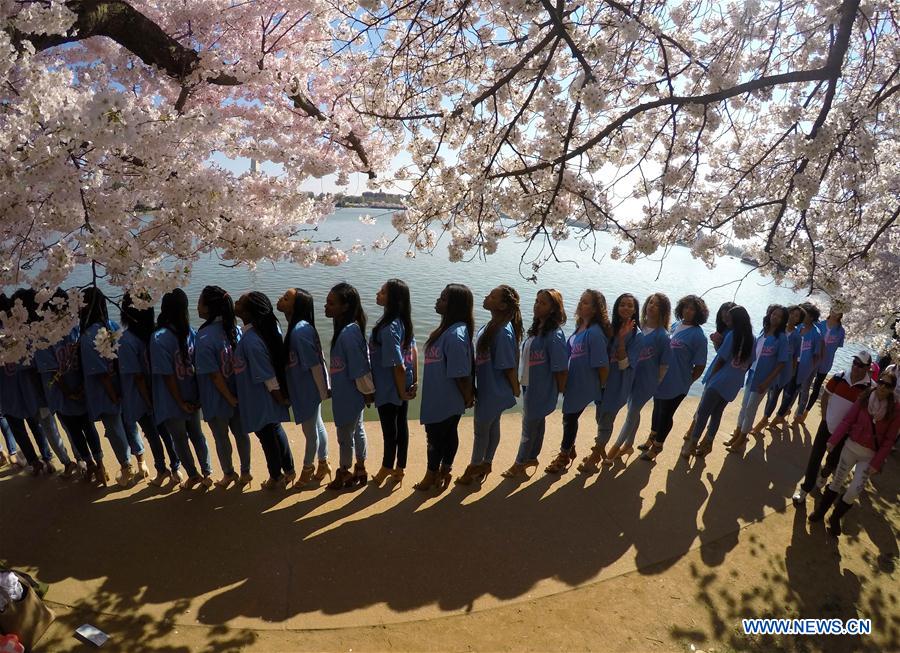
{"points": [[828, 497], [834, 522]]}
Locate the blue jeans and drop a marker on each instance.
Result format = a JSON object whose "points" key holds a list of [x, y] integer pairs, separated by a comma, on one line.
{"points": [[772, 400], [487, 438], [605, 422], [630, 427], [277, 450], [160, 442], [749, 406], [219, 427], [351, 439], [114, 430], [711, 407], [8, 436], [532, 437], [316, 438], [185, 431]]}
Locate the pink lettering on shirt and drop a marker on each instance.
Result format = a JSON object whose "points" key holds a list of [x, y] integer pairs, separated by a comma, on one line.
{"points": [[578, 350], [337, 365], [239, 364], [646, 353], [536, 357]]}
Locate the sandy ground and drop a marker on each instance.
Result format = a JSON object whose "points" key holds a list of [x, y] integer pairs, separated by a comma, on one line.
{"points": [[664, 556]]}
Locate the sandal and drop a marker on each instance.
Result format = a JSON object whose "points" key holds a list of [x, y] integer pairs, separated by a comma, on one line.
{"points": [[443, 479], [687, 449], [647, 445], [516, 470], [703, 448], [590, 463], [738, 445], [561, 463], [651, 453]]}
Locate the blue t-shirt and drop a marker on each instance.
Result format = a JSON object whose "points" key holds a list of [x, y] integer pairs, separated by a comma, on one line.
{"points": [[213, 353], [654, 353], [166, 359], [386, 352], [588, 353], [134, 359], [546, 356], [618, 383], [494, 393], [447, 359], [93, 365], [20, 394], [349, 361], [252, 368], [775, 350], [688, 350], [730, 378], [304, 354], [832, 339], [59, 367], [810, 347], [787, 372], [715, 358]]}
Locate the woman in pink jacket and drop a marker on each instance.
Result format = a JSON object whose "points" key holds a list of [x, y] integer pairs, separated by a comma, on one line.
{"points": [[871, 427]]}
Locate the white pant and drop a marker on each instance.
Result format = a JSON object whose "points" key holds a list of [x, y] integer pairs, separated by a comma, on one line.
{"points": [[853, 455]]}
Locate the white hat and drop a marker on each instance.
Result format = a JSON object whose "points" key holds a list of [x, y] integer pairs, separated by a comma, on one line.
{"points": [[864, 357]]}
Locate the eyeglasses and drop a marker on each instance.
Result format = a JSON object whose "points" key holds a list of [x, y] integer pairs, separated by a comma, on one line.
{"points": [[888, 384], [859, 363]]}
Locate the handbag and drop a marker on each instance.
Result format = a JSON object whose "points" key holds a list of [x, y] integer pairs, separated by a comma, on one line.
{"points": [[27, 618]]}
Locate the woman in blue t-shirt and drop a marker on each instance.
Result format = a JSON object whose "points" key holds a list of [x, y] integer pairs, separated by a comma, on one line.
{"points": [[770, 357], [176, 395], [214, 358], [307, 381], [788, 374], [392, 337], [352, 387], [543, 373], [588, 370], [137, 400], [808, 359], [723, 326], [833, 335], [687, 345], [261, 381], [447, 388], [652, 365], [624, 350], [726, 378], [101, 384], [496, 378]]}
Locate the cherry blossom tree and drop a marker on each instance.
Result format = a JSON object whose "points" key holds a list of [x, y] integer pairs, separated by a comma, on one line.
{"points": [[768, 124]]}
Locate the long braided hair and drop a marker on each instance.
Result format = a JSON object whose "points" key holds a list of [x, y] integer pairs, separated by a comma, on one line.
{"points": [[353, 310], [258, 311], [94, 310], [173, 315], [219, 304], [512, 314], [399, 307]]}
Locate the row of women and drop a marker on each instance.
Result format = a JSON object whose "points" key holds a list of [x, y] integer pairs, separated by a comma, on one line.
{"points": [[245, 380]]}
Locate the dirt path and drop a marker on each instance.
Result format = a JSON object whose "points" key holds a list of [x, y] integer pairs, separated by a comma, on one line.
{"points": [[643, 557]]}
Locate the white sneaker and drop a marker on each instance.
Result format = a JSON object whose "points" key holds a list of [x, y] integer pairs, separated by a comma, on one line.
{"points": [[821, 481], [799, 497]]}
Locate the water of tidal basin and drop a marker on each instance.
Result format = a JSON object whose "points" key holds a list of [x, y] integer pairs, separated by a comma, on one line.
{"points": [[427, 274]]}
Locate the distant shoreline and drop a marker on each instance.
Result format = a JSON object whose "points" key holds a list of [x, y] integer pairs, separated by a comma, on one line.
{"points": [[370, 205]]}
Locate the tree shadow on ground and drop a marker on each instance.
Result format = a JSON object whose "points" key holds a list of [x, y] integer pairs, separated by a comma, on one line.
{"points": [[265, 556]]}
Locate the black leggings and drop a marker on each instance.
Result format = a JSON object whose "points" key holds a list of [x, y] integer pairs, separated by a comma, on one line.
{"points": [[395, 430], [663, 417], [84, 434], [443, 441], [814, 393]]}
